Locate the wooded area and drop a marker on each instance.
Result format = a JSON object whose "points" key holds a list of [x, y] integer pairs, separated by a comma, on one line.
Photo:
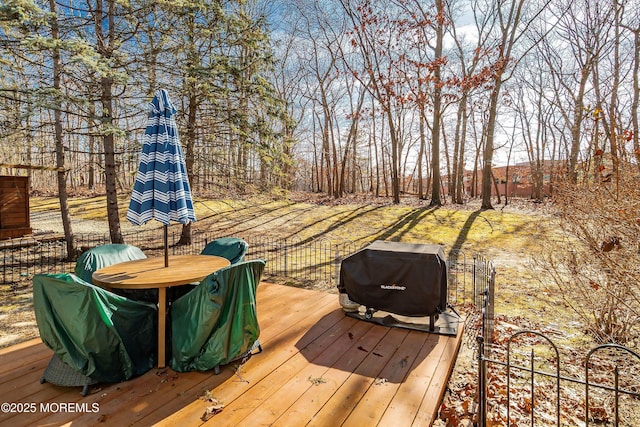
{"points": [[340, 96], [433, 99]]}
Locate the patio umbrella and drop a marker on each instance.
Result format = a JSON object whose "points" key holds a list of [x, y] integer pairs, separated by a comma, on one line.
{"points": [[161, 190]]}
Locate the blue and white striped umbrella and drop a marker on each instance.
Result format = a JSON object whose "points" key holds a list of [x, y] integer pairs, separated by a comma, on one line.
{"points": [[161, 190]]}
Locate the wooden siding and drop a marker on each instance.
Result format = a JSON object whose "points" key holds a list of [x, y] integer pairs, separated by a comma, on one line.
{"points": [[14, 207]]}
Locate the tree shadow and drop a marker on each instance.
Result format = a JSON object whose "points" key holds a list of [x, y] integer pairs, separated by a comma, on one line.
{"points": [[370, 350], [463, 235], [404, 224], [237, 216], [352, 216]]}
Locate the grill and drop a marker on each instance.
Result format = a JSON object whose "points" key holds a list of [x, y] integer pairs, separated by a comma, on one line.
{"points": [[399, 278]]}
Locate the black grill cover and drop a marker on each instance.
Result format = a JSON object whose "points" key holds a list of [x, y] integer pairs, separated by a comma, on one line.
{"points": [[403, 278]]}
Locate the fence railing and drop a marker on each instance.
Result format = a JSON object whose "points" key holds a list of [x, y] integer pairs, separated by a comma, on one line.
{"points": [[529, 382], [292, 261]]}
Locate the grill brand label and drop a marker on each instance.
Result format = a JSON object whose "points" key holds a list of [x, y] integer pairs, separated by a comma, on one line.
{"points": [[393, 287]]}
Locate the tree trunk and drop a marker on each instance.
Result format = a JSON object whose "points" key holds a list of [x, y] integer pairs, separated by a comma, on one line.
{"points": [[487, 156], [578, 115], [421, 154], [395, 178], [185, 236], [636, 96], [57, 113], [91, 171], [437, 101], [326, 155], [352, 139], [106, 99], [495, 184], [458, 166], [509, 37], [110, 162]]}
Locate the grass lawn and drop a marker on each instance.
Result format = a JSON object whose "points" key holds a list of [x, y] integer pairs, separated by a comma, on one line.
{"points": [[509, 236]]}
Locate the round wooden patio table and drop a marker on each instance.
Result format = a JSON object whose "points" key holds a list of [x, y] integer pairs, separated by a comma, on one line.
{"points": [[150, 273]]}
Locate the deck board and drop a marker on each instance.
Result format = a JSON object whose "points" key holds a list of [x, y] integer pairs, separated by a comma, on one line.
{"points": [[319, 367]]}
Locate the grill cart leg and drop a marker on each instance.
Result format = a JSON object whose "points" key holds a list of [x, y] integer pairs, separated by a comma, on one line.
{"points": [[432, 322]]}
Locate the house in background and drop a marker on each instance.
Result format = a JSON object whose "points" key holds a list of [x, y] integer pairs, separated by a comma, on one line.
{"points": [[514, 181]]}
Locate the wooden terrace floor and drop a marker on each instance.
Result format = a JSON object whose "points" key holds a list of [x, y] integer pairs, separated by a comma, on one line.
{"points": [[319, 367]]}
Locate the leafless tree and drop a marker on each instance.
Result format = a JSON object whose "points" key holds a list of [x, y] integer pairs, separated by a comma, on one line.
{"points": [[512, 20]]}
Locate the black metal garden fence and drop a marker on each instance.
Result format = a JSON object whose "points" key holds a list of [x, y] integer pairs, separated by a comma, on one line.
{"points": [[293, 261], [526, 380]]}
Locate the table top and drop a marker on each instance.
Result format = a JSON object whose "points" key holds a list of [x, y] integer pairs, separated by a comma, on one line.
{"points": [[150, 273]]}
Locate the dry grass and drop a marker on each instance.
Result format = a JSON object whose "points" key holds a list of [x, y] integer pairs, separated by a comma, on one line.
{"points": [[510, 236]]}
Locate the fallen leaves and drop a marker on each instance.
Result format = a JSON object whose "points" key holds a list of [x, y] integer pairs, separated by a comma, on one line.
{"points": [[214, 405], [317, 380], [460, 404], [611, 243]]}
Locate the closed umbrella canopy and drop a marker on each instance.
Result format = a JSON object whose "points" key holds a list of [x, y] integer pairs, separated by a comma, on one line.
{"points": [[161, 190]]}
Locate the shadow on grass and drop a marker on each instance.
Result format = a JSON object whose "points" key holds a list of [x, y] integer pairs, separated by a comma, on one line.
{"points": [[352, 216], [463, 235], [401, 227]]}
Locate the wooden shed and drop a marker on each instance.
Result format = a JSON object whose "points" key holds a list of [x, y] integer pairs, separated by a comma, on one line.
{"points": [[14, 207]]}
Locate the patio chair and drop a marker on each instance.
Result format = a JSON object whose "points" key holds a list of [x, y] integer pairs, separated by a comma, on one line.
{"points": [[216, 323], [232, 248], [96, 335], [109, 254]]}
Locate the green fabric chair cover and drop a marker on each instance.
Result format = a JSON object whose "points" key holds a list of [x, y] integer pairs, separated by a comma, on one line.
{"points": [[109, 254], [216, 322], [104, 256], [104, 336], [232, 248]]}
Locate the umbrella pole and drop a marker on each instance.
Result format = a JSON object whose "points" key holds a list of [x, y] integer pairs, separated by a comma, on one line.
{"points": [[166, 245]]}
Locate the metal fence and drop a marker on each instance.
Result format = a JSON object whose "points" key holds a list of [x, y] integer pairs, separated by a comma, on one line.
{"points": [[529, 381], [313, 263]]}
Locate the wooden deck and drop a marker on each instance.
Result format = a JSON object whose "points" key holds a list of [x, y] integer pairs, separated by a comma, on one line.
{"points": [[319, 367]]}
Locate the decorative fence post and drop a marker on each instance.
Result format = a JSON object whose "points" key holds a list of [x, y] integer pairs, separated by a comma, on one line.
{"points": [[482, 390], [286, 254]]}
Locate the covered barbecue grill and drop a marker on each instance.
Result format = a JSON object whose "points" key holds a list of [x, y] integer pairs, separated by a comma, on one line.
{"points": [[407, 279]]}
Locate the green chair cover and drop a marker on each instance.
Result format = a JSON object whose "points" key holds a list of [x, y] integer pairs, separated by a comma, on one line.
{"points": [[216, 322], [104, 336], [232, 248], [104, 256], [109, 254]]}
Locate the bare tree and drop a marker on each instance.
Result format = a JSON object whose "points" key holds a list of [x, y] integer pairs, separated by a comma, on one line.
{"points": [[472, 77], [370, 35], [535, 114], [512, 24], [321, 59], [581, 27]]}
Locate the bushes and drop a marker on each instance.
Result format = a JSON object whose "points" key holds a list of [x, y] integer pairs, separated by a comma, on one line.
{"points": [[596, 261]]}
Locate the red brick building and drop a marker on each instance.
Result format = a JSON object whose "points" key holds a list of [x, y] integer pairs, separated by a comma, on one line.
{"points": [[513, 180]]}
